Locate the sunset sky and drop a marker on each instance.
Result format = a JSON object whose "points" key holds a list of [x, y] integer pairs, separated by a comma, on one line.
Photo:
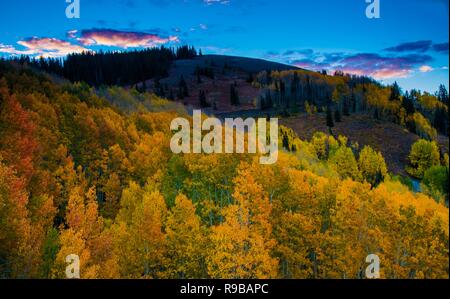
{"points": [[408, 44]]}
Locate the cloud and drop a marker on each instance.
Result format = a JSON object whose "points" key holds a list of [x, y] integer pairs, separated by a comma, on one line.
{"points": [[167, 2], [80, 41], [420, 46], [122, 39], [210, 2], [369, 64], [72, 33], [425, 69], [441, 48], [43, 47], [417, 46]]}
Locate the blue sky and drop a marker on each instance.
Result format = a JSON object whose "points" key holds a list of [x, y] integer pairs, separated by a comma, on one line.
{"points": [[408, 44]]}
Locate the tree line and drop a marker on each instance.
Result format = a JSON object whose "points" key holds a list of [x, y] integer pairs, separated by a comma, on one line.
{"points": [[112, 67], [342, 94]]}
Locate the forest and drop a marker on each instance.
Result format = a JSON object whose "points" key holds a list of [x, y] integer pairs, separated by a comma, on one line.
{"points": [[112, 68], [422, 113], [87, 169]]}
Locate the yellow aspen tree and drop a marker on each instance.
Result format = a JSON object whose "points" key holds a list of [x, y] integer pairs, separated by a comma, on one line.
{"points": [[186, 243], [140, 242], [84, 226], [344, 163], [242, 245]]}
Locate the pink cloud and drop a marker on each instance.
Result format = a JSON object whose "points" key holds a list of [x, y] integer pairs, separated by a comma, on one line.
{"points": [[122, 39], [43, 47], [368, 64], [425, 69]]}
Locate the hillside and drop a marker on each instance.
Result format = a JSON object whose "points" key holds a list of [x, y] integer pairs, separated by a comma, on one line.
{"points": [[218, 73], [375, 115], [392, 140], [80, 176]]}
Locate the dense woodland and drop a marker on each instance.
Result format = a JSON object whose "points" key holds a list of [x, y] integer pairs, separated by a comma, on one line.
{"points": [[89, 171], [112, 68], [422, 113]]}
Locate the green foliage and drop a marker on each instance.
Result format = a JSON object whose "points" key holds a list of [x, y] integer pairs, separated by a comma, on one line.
{"points": [[344, 163], [324, 145], [423, 127], [50, 249], [424, 154], [372, 166], [435, 179], [404, 180]]}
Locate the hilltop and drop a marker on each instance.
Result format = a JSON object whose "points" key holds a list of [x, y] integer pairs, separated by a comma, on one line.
{"points": [[214, 74]]}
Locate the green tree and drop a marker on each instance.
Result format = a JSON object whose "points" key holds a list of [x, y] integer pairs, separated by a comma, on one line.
{"points": [[372, 166], [435, 179], [423, 155], [330, 122], [344, 163]]}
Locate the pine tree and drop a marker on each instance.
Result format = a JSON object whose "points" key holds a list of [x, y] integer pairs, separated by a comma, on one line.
{"points": [[337, 115], [395, 92], [202, 99], [234, 96], [442, 94], [330, 122], [182, 88], [408, 104], [345, 108]]}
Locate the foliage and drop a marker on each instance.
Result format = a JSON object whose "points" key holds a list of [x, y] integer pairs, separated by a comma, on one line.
{"points": [[424, 154], [435, 179], [79, 176], [372, 166]]}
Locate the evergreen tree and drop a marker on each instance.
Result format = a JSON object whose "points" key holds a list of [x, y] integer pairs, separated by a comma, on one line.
{"points": [[197, 73], [395, 92], [330, 122], [285, 141], [182, 88], [337, 115], [408, 103], [345, 108], [442, 94], [234, 96], [202, 99]]}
